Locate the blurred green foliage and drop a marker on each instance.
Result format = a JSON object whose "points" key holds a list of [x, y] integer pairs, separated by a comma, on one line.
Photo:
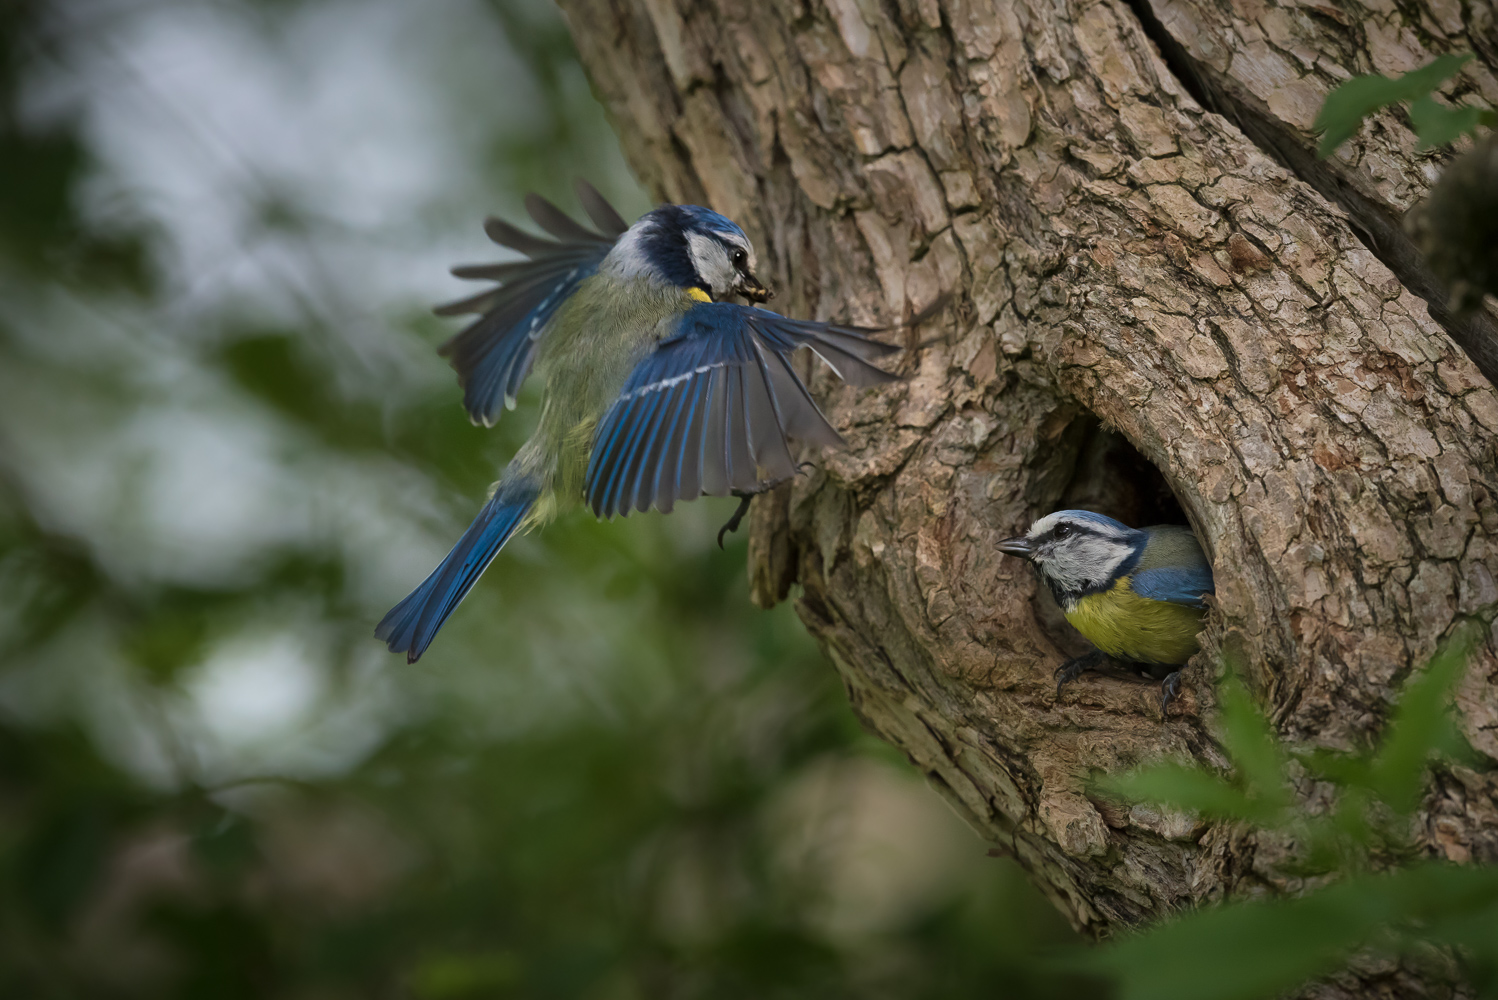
{"points": [[1385, 899], [1344, 109]]}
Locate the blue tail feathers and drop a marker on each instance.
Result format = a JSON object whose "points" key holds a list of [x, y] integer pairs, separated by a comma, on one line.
{"points": [[412, 624]]}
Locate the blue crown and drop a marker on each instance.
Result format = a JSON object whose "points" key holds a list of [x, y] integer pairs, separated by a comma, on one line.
{"points": [[707, 221], [1096, 518]]}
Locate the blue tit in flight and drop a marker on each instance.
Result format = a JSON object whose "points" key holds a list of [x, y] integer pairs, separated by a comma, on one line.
{"points": [[1138, 595], [656, 389]]}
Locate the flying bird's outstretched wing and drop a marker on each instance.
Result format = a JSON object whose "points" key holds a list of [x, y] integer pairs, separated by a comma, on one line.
{"points": [[494, 354], [709, 410]]}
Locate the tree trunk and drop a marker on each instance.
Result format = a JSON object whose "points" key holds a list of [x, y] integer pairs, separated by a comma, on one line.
{"points": [[1163, 305]]}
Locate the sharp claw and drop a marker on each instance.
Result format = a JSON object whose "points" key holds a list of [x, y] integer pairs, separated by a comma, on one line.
{"points": [[1170, 687], [1076, 667]]}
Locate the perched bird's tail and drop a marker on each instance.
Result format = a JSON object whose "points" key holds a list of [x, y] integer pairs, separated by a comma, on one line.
{"points": [[412, 624]]}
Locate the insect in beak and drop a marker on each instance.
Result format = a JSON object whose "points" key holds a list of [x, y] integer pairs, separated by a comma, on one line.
{"points": [[751, 289]]}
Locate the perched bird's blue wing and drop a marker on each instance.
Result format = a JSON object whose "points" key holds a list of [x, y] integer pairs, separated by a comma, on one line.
{"points": [[1175, 584], [494, 354], [1172, 567], [708, 411]]}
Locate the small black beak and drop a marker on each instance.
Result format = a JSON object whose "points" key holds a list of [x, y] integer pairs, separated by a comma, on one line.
{"points": [[1017, 546], [751, 289]]}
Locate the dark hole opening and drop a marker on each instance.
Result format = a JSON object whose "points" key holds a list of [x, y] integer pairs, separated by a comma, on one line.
{"points": [[1111, 477]]}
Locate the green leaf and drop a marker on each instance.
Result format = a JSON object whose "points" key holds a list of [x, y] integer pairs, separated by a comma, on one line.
{"points": [[1190, 788], [1335, 766], [1330, 843], [1417, 83], [1251, 744], [1437, 125], [1259, 950], [1421, 723], [1244, 951], [1344, 109], [1260, 794]]}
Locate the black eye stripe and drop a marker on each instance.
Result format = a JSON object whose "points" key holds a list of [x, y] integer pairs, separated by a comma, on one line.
{"points": [[1070, 529]]}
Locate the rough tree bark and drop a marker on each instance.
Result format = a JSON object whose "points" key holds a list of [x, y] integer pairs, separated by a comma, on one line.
{"points": [[1156, 285]]}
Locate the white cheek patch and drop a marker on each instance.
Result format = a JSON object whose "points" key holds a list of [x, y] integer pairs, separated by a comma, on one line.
{"points": [[1084, 560], [710, 259]]}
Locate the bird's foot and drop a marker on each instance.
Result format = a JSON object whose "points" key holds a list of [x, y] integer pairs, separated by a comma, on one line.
{"points": [[1170, 687], [1076, 667], [732, 524]]}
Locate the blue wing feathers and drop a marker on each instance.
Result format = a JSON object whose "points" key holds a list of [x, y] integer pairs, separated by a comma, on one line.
{"points": [[710, 409], [1174, 584], [771, 451], [608, 221], [506, 235], [694, 431], [714, 436], [1172, 566], [559, 224], [738, 461], [504, 271], [661, 470], [651, 445], [639, 443], [411, 624], [495, 353]]}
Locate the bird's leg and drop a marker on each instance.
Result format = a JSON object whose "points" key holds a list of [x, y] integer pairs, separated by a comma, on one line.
{"points": [[1169, 688], [1076, 667], [744, 497], [732, 524]]}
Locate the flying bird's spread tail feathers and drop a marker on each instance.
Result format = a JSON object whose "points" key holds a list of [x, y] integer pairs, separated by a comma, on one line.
{"points": [[411, 625]]}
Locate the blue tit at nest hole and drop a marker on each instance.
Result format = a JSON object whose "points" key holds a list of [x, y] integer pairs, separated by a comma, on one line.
{"points": [[1138, 595]]}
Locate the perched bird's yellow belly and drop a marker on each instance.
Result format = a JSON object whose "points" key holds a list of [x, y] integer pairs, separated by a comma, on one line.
{"points": [[1129, 627]]}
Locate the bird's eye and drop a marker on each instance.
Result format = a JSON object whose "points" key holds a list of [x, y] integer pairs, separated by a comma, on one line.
{"points": [[1062, 530], [740, 258]]}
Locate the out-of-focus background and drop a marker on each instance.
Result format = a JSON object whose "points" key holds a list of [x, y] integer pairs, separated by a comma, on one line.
{"points": [[227, 446]]}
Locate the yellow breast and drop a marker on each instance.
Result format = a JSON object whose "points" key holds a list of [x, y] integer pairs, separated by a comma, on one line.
{"points": [[1129, 627]]}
